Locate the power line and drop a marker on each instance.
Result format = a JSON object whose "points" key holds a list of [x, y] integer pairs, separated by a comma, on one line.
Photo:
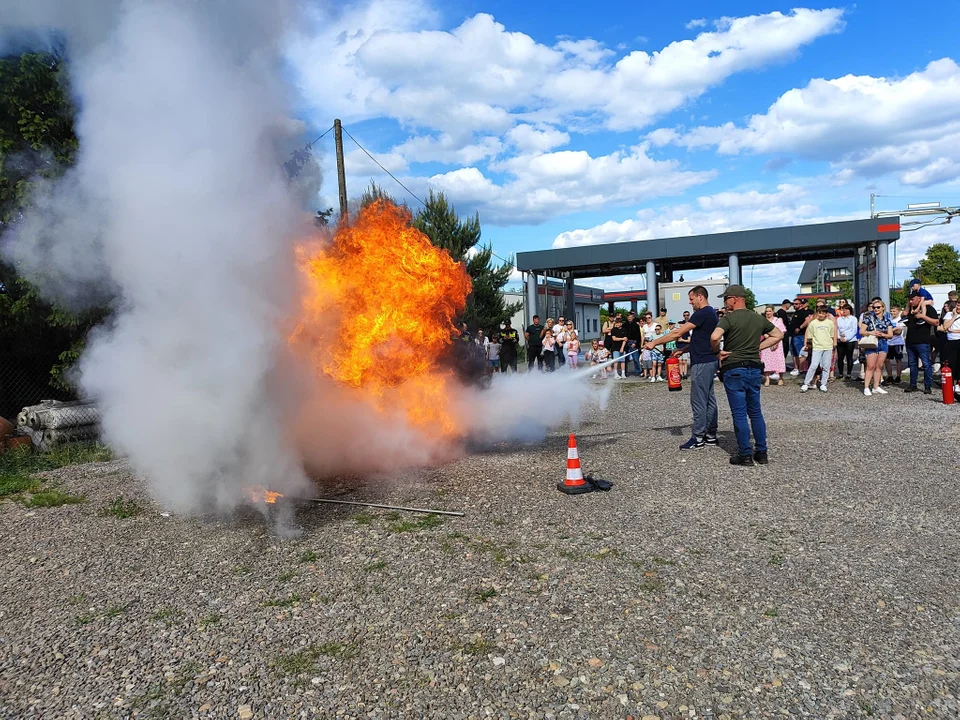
{"points": [[412, 194]]}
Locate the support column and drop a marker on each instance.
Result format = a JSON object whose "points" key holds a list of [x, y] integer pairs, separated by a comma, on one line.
{"points": [[734, 270], [531, 297], [610, 306], [652, 293], [633, 305], [883, 271], [570, 307]]}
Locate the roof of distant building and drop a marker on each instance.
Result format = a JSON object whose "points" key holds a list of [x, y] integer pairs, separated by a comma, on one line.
{"points": [[810, 269]]}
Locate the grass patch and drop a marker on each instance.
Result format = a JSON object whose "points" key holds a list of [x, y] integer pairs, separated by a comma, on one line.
{"points": [[84, 619], [115, 610], [770, 612], [775, 560], [374, 567], [663, 561], [18, 465], [52, 498], [122, 509], [363, 518], [281, 602], [242, 569], [424, 523], [285, 576], [209, 620], [305, 661], [485, 594], [477, 646], [308, 556], [165, 613]]}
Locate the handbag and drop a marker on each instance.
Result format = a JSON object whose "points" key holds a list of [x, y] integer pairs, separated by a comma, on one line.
{"points": [[867, 342]]}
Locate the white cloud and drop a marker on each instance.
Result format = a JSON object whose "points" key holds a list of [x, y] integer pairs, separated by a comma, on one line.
{"points": [[549, 184], [722, 212], [527, 138], [864, 126], [483, 77], [698, 23]]}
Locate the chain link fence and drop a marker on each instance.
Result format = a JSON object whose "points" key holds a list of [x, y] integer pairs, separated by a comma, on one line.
{"points": [[25, 380]]}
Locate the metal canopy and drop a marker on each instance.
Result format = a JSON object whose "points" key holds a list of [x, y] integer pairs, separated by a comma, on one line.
{"points": [[754, 247]]}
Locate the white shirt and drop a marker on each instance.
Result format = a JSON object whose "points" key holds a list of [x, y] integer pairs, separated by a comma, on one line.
{"points": [[847, 327], [954, 334], [898, 340]]}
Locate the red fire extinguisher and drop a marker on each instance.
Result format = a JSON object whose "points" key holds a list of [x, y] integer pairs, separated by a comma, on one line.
{"points": [[946, 383], [673, 374]]}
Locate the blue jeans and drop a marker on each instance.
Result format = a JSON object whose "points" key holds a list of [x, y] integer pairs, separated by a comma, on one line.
{"points": [[922, 353], [743, 394], [635, 358], [796, 343], [703, 402]]}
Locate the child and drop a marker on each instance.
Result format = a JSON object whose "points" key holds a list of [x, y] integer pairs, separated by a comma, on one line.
{"points": [[591, 355], [601, 356], [656, 356], [572, 346], [493, 353], [549, 350]]}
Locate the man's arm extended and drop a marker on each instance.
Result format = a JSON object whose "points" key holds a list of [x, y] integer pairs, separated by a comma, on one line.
{"points": [[772, 338], [675, 334], [715, 339]]}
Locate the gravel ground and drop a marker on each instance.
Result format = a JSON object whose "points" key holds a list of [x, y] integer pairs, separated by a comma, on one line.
{"points": [[823, 585]]}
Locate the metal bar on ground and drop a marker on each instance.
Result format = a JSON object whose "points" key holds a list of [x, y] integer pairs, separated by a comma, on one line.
{"points": [[385, 507]]}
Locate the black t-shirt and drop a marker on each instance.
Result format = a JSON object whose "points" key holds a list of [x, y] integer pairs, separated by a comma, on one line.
{"points": [[619, 336], [799, 318], [633, 330], [534, 331], [705, 321], [784, 317], [508, 342], [920, 332]]}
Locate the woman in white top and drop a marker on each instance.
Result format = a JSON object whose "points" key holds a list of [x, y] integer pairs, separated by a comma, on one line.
{"points": [[846, 341], [951, 350]]}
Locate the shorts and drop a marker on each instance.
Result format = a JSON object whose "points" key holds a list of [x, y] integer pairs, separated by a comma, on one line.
{"points": [[685, 357], [617, 354], [796, 343], [882, 347], [494, 363], [895, 352]]}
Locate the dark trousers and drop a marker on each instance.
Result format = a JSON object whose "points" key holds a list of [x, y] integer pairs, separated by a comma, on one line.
{"points": [[508, 361], [845, 356], [921, 353], [535, 355], [951, 356], [548, 357]]}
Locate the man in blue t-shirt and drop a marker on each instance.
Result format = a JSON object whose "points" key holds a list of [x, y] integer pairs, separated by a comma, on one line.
{"points": [[703, 367]]}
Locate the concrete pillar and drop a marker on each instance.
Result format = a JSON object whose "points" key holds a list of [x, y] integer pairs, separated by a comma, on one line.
{"points": [[570, 306], [610, 306], [633, 304], [734, 269], [883, 271], [652, 292], [532, 308]]}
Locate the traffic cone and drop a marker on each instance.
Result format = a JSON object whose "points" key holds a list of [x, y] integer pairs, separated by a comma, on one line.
{"points": [[574, 483]]}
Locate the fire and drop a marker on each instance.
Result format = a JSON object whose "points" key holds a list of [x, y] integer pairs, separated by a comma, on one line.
{"points": [[378, 311], [258, 493]]}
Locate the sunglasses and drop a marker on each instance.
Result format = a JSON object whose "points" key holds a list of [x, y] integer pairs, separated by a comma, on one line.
{"points": [[877, 307]]}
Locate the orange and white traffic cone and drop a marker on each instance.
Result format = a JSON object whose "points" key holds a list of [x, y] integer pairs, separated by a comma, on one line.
{"points": [[574, 483]]}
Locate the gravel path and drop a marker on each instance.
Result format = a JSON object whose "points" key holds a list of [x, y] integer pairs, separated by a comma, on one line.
{"points": [[823, 585]]}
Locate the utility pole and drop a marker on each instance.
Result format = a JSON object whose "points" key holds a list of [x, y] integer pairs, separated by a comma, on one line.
{"points": [[341, 174]]}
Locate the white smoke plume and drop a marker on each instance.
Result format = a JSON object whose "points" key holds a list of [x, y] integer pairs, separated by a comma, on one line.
{"points": [[178, 204], [179, 210]]}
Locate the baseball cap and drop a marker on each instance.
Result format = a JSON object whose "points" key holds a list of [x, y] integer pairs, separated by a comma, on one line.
{"points": [[785, 301], [734, 291], [914, 281]]}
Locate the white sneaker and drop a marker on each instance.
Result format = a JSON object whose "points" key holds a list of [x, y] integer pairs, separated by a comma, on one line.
{"points": [[659, 379], [804, 388], [823, 388], [936, 367], [866, 391], [594, 376], [653, 379], [794, 373], [956, 388], [879, 390]]}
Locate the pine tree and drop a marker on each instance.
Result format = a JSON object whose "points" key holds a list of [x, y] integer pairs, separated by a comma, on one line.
{"points": [[486, 307]]}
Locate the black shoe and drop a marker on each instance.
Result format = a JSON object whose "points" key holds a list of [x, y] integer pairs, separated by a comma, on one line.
{"points": [[693, 443], [711, 441], [910, 388], [896, 381], [848, 377], [760, 458], [928, 391], [885, 382], [741, 460]]}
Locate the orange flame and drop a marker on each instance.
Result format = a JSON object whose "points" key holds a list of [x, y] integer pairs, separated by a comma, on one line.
{"points": [[258, 493], [378, 311]]}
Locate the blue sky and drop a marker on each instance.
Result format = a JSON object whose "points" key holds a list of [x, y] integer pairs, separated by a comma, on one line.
{"points": [[563, 126]]}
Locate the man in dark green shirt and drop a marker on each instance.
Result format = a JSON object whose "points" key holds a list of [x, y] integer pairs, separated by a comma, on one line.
{"points": [[744, 334]]}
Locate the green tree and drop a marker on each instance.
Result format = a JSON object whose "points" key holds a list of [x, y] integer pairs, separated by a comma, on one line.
{"points": [[941, 264], [486, 307], [750, 299], [37, 139]]}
